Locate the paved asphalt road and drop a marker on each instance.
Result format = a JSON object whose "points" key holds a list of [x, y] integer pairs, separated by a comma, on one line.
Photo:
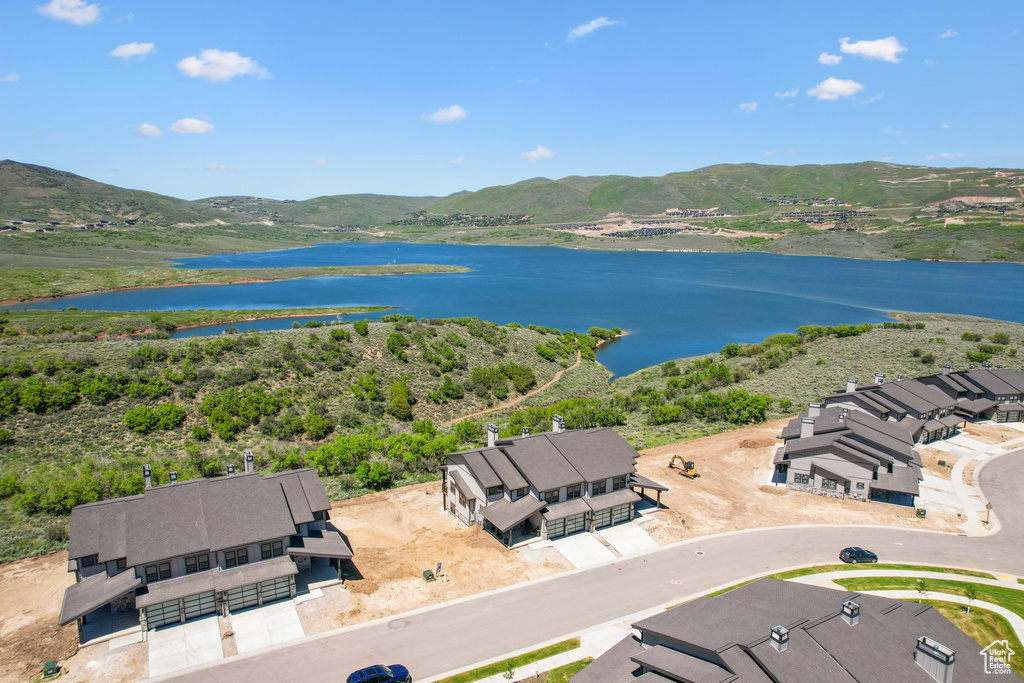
{"points": [[456, 635]]}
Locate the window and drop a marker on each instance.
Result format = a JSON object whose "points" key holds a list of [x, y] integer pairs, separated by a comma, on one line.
{"points": [[801, 479], [618, 483], [452, 486], [319, 516], [462, 499], [197, 563], [272, 549], [158, 572], [599, 487], [233, 558], [829, 484], [551, 497], [890, 468], [573, 491], [860, 485], [87, 561], [522, 492], [495, 490], [122, 564]]}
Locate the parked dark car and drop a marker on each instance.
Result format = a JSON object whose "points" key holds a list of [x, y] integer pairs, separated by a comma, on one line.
{"points": [[395, 673], [857, 555]]}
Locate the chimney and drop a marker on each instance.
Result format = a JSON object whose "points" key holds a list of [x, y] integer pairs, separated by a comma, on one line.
{"points": [[250, 465], [526, 431], [806, 427], [851, 385], [558, 424], [946, 369], [231, 469], [147, 476], [492, 435], [851, 612], [174, 477], [879, 378], [935, 658], [813, 409], [780, 638]]}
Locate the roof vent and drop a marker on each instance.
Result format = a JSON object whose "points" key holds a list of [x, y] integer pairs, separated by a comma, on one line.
{"points": [[935, 658], [879, 378], [899, 378], [250, 464], [557, 424], [147, 476], [986, 365], [174, 477], [851, 612], [492, 435], [946, 369], [231, 469], [780, 638], [526, 431]]}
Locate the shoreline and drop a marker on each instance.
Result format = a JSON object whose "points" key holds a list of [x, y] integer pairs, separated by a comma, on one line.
{"points": [[279, 317]]}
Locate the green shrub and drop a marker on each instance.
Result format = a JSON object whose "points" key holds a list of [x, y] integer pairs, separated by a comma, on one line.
{"points": [[200, 433], [6, 438], [971, 336], [141, 419], [928, 358], [978, 356], [375, 476], [1000, 338], [362, 327]]}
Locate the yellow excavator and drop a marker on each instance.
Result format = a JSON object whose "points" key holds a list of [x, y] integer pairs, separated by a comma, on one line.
{"points": [[688, 469]]}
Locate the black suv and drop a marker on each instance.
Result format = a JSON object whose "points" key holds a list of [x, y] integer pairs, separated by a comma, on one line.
{"points": [[856, 555]]}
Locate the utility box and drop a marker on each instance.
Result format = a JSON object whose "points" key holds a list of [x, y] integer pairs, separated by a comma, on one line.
{"points": [[922, 513]]}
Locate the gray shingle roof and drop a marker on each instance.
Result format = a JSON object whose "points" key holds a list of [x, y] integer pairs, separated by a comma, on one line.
{"points": [[196, 516], [681, 666], [596, 453], [612, 499], [541, 463], [615, 665], [95, 591], [505, 514], [504, 468], [990, 381], [216, 579], [480, 470], [461, 485], [576, 506], [329, 544]]}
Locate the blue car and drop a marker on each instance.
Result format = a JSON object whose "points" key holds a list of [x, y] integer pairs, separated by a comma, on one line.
{"points": [[379, 673], [857, 555]]}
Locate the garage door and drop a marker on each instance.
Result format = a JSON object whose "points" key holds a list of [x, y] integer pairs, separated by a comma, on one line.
{"points": [[276, 589], [620, 513], [556, 528], [1002, 417], [575, 523], [240, 598], [163, 613], [602, 518], [200, 604], [1013, 416]]}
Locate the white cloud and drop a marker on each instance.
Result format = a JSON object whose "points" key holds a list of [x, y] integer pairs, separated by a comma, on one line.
{"points": [[191, 126], [590, 26], [886, 49], [128, 18], [220, 167], [456, 160], [944, 125], [541, 152], [217, 66], [129, 50], [10, 78], [71, 11], [318, 161], [521, 81], [446, 115], [749, 107], [945, 155], [875, 98], [929, 62], [950, 33], [889, 130], [149, 130], [785, 94], [834, 88], [770, 153], [829, 60]]}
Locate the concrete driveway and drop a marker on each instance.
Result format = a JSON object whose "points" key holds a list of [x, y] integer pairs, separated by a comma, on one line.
{"points": [[259, 627], [583, 549], [173, 648], [628, 538]]}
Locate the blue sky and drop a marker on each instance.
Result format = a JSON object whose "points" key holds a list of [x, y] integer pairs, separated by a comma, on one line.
{"points": [[296, 100]]}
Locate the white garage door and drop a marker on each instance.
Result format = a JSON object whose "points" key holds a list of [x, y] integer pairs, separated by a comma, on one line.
{"points": [[556, 528], [575, 523], [620, 513], [240, 598], [200, 604], [602, 518], [276, 589]]}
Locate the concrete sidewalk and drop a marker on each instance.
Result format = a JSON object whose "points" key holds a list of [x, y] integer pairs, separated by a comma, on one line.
{"points": [[826, 578]]}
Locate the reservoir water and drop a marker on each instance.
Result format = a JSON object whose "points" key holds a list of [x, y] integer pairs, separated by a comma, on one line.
{"points": [[673, 304]]}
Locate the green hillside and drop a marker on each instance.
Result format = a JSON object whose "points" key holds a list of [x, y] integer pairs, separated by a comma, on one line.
{"points": [[334, 210], [734, 188]]}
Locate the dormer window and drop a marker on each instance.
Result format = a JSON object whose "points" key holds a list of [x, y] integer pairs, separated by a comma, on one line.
{"points": [[618, 483], [495, 490], [574, 491], [87, 561]]}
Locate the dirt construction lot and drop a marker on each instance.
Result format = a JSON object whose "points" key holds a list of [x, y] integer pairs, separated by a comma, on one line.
{"points": [[397, 534]]}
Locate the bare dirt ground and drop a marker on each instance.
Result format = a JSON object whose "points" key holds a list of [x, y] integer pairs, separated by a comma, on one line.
{"points": [[31, 592], [732, 492], [397, 534]]}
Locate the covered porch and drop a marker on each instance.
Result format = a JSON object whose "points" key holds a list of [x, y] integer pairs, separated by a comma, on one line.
{"points": [[327, 544], [95, 592], [504, 518], [643, 483]]}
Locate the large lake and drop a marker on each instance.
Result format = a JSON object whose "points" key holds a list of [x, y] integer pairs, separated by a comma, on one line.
{"points": [[673, 304]]}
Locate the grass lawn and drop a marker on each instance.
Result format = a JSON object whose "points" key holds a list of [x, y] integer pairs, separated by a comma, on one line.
{"points": [[563, 673], [1010, 598], [516, 662], [825, 568], [983, 627]]}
